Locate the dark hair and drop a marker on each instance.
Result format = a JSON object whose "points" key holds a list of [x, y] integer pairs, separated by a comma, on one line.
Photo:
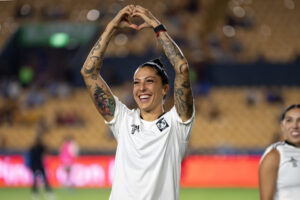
{"points": [[293, 106], [159, 68]]}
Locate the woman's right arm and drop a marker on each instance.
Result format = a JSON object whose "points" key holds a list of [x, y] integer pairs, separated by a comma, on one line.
{"points": [[98, 89], [268, 170]]}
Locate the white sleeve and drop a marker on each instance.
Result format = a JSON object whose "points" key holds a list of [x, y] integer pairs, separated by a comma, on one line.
{"points": [[121, 113], [183, 128]]}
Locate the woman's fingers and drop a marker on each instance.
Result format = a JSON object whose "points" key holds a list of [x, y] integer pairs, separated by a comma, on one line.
{"points": [[141, 15], [134, 26], [123, 17], [144, 25], [140, 8]]}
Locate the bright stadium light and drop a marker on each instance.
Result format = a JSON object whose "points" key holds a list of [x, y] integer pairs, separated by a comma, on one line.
{"points": [[59, 40]]}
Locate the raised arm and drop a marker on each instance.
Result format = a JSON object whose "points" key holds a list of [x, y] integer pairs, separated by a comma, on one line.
{"points": [[183, 98], [98, 89]]}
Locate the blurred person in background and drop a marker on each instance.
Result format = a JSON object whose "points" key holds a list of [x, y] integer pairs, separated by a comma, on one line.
{"points": [[35, 160], [279, 170], [67, 154], [151, 142]]}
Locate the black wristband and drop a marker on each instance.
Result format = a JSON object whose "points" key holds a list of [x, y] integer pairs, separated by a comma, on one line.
{"points": [[159, 28]]}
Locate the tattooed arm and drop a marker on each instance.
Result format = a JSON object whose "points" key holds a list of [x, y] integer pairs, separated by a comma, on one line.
{"points": [[183, 97], [98, 89]]}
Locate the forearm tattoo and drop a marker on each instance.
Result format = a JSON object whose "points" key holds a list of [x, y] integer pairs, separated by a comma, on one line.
{"points": [[171, 50], [95, 58], [183, 98], [105, 103], [96, 46], [89, 69]]}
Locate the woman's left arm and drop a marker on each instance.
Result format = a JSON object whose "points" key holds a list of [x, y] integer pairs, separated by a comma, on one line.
{"points": [[268, 172], [183, 97]]}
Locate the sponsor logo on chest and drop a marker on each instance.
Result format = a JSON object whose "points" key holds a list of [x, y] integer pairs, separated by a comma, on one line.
{"points": [[135, 128]]}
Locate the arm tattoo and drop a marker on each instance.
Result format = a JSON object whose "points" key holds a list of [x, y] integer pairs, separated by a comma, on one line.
{"points": [[182, 88], [95, 57], [183, 98], [171, 50], [97, 46], [179, 98], [89, 71], [189, 103], [94, 61], [104, 102], [94, 76], [180, 67], [186, 84]]}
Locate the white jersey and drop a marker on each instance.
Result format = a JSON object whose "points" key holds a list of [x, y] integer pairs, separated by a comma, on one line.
{"points": [[149, 154], [288, 179]]}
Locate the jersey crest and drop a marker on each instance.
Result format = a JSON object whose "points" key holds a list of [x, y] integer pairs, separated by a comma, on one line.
{"points": [[294, 162], [162, 124]]}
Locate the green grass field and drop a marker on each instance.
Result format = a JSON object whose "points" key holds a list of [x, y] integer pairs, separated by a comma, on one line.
{"points": [[103, 194]]}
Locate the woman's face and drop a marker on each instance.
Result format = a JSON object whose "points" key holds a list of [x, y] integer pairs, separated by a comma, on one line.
{"points": [[148, 90], [291, 126]]}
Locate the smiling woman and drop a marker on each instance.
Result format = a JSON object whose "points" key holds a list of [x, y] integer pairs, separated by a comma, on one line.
{"points": [[279, 171], [151, 142], [150, 89]]}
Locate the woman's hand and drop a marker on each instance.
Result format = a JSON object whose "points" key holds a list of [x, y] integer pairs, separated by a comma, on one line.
{"points": [[149, 20], [122, 19]]}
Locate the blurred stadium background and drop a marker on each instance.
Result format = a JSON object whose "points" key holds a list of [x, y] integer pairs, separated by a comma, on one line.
{"points": [[244, 59]]}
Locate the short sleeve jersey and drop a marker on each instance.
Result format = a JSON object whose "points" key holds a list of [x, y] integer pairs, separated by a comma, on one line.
{"points": [[149, 154], [288, 181]]}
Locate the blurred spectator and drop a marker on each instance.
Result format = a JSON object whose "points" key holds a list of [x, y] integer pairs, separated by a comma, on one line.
{"points": [[36, 162], [274, 96], [14, 90], [251, 97], [35, 97], [59, 89], [63, 89], [67, 154]]}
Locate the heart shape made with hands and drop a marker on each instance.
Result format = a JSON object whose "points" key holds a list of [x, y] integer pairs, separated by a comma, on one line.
{"points": [[135, 22]]}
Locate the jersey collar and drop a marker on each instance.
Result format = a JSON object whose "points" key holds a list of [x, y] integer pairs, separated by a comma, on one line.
{"points": [[290, 143], [158, 116]]}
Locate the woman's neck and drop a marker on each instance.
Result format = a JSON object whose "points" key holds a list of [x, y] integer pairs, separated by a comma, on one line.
{"points": [[151, 116]]}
